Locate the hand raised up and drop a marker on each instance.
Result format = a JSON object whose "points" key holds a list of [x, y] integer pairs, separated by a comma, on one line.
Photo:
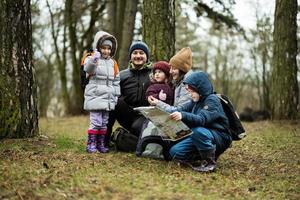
{"points": [[96, 56]]}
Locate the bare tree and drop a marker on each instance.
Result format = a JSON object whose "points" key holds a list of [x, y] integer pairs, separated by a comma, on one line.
{"points": [[77, 36], [61, 55]]}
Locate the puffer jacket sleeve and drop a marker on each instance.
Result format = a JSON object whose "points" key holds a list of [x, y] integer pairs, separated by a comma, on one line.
{"points": [[89, 66], [204, 116]]}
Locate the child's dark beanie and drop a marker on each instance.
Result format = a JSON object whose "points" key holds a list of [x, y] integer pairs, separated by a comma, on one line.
{"points": [[139, 45]]}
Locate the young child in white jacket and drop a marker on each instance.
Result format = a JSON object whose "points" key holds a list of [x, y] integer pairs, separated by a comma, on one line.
{"points": [[103, 89]]}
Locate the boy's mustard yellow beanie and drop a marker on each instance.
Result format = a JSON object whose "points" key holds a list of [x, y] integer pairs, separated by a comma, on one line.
{"points": [[182, 59]]}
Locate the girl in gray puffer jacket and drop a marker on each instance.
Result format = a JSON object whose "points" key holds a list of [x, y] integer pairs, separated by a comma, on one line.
{"points": [[103, 89]]}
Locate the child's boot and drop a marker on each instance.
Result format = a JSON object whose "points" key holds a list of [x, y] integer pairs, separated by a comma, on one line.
{"points": [[91, 143], [101, 141]]}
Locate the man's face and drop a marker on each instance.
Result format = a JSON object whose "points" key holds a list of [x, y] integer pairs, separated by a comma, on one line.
{"points": [[138, 57]]}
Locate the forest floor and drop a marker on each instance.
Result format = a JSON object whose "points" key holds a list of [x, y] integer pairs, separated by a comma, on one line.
{"points": [[264, 165]]}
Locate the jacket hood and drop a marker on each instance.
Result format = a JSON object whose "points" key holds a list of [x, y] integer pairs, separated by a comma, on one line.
{"points": [[200, 82], [101, 36]]}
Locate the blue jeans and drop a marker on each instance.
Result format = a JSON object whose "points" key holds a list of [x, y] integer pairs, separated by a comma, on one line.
{"points": [[202, 139]]}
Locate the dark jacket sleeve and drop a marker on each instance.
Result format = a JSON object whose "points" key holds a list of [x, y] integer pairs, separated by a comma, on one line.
{"points": [[203, 116]]}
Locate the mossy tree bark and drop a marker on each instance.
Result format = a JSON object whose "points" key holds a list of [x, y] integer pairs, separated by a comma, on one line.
{"points": [[18, 100], [158, 25], [285, 91]]}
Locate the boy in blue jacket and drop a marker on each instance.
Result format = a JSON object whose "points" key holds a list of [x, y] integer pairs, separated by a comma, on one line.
{"points": [[205, 116]]}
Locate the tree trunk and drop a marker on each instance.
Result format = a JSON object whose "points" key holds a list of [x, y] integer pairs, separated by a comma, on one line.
{"points": [[60, 57], [18, 100], [112, 17], [265, 82], [205, 61], [119, 24], [158, 24], [45, 82], [285, 91], [76, 103], [127, 32], [224, 76]]}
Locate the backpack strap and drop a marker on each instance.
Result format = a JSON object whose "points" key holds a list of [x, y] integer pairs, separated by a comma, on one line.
{"points": [[116, 68], [221, 98], [85, 54]]}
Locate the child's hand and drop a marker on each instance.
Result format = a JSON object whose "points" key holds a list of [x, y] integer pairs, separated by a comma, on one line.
{"points": [[152, 101], [177, 116], [162, 96], [96, 56]]}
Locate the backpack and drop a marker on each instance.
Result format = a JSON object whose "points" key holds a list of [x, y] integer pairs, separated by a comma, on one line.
{"points": [[236, 128], [151, 143], [124, 140], [84, 79]]}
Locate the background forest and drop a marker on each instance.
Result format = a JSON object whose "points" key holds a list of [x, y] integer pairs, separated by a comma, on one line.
{"points": [[237, 58]]}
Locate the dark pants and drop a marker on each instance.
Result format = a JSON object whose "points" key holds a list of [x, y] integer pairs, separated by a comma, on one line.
{"points": [[128, 118]]}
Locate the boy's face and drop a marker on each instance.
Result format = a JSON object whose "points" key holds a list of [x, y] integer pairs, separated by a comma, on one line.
{"points": [[105, 51], [195, 95], [174, 73], [159, 76], [138, 57]]}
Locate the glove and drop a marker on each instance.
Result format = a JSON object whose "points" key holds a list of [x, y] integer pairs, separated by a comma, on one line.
{"points": [[162, 96], [96, 56]]}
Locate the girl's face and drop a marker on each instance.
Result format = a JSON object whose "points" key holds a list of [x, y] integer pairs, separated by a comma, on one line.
{"points": [[195, 95], [105, 51], [138, 57], [175, 73], [159, 76]]}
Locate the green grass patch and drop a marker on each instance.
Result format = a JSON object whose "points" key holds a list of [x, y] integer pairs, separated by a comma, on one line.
{"points": [[264, 165]]}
